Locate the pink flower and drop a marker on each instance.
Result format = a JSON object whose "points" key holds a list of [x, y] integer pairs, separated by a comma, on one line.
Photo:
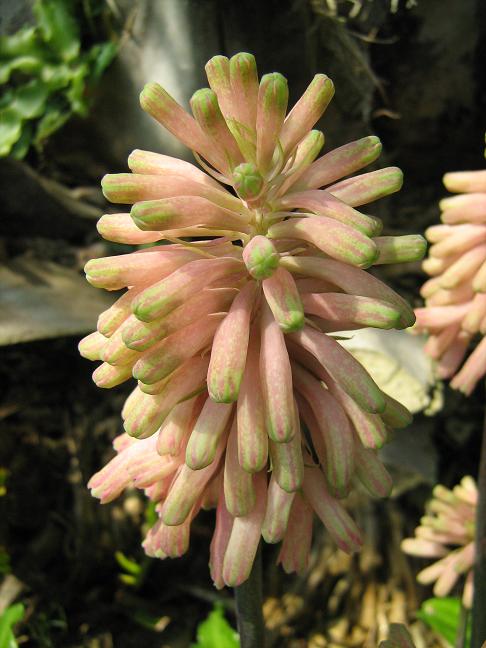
{"points": [[449, 523], [455, 296], [244, 401]]}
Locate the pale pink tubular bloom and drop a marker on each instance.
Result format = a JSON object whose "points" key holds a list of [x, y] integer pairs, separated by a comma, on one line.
{"points": [[455, 298], [447, 534], [227, 336]]}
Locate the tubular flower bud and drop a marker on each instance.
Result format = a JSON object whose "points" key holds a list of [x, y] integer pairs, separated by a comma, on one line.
{"points": [[455, 304], [260, 257], [253, 258], [447, 534], [247, 181]]}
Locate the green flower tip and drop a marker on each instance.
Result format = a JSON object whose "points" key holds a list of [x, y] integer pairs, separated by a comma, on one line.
{"points": [[247, 181], [261, 258]]}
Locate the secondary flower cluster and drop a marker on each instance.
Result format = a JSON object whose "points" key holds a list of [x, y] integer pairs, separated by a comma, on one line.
{"points": [[455, 296], [245, 402], [450, 521]]}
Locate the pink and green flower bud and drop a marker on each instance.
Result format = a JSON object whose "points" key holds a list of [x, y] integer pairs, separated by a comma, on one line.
{"points": [[465, 181], [464, 268], [245, 537], [247, 181], [395, 414], [279, 503], [350, 280], [336, 239], [206, 110], [344, 369], [305, 153], [323, 203], [140, 336], [252, 432], [472, 322], [230, 345], [337, 521], [107, 376], [244, 89], [371, 472], [467, 208], [169, 354], [177, 427], [296, 545], [186, 489], [184, 211], [129, 188], [479, 280], [91, 346], [110, 319], [306, 112], [113, 273], [164, 296], [368, 187], [341, 162], [284, 300], [334, 430], [219, 542], [351, 310], [120, 228], [287, 462], [161, 106], [273, 96], [276, 378], [150, 411], [370, 428], [115, 352], [400, 249], [261, 257], [165, 541], [239, 491], [149, 163], [206, 433]]}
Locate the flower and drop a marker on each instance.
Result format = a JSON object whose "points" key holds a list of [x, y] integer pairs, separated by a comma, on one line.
{"points": [[450, 520], [245, 402], [455, 296]]}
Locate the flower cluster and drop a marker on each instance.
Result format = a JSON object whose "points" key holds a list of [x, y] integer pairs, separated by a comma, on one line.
{"points": [[245, 401], [455, 296], [450, 522]]}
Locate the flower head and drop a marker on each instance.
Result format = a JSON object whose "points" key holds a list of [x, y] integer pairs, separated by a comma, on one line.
{"points": [[455, 296], [449, 523], [245, 402]]}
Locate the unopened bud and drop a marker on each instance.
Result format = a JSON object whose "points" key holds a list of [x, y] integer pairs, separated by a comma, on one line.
{"points": [[247, 181], [261, 257]]}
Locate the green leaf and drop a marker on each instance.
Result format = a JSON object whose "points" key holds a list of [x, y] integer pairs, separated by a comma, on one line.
{"points": [[24, 42], [100, 56], [444, 616], [56, 76], [8, 619], [22, 145], [52, 121], [76, 92], [58, 27], [10, 131], [30, 99], [127, 564], [216, 632], [25, 64]]}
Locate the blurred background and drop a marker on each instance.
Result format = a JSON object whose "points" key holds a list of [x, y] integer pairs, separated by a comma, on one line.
{"points": [[411, 72]]}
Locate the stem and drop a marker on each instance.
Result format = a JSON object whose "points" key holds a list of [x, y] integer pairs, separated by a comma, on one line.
{"points": [[248, 599], [462, 629], [479, 603]]}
